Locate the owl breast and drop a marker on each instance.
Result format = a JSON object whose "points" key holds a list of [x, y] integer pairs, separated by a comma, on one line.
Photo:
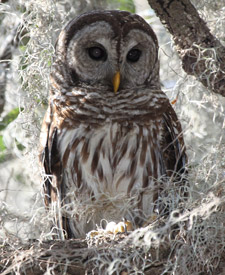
{"points": [[112, 161]]}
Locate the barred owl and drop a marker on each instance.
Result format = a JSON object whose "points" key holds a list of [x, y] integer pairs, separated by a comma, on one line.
{"points": [[110, 139]]}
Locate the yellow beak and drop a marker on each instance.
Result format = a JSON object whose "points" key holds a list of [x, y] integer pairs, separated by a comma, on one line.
{"points": [[116, 81]]}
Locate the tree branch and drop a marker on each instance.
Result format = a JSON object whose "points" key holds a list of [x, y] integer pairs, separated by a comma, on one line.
{"points": [[79, 257], [6, 52], [201, 53], [107, 255]]}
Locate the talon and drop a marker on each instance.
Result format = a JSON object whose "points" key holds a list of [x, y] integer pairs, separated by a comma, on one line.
{"points": [[129, 226], [120, 228], [92, 234], [124, 226]]}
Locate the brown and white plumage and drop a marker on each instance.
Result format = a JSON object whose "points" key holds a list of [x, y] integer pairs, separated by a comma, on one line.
{"points": [[106, 154]]}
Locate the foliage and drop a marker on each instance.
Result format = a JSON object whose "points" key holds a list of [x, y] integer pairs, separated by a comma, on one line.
{"points": [[11, 116], [127, 5]]}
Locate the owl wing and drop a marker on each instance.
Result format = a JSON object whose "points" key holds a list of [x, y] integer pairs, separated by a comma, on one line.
{"points": [[53, 173], [174, 151], [52, 169], [49, 158]]}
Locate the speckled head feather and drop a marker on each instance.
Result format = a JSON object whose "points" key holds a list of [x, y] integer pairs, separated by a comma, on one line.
{"points": [[121, 21]]}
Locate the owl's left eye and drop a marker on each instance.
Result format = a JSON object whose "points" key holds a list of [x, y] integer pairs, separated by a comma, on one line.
{"points": [[97, 53], [133, 55]]}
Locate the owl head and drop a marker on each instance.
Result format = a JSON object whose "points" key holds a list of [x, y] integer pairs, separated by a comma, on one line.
{"points": [[111, 50]]}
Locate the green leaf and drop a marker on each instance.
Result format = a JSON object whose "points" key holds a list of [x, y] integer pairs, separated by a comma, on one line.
{"points": [[19, 146], [2, 157], [22, 48], [126, 5], [2, 150], [2, 144], [23, 62], [12, 115]]}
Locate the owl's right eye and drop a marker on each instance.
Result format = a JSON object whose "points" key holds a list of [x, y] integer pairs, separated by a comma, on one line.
{"points": [[97, 53]]}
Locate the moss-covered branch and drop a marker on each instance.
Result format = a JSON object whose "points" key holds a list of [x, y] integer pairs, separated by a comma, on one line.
{"points": [[201, 53]]}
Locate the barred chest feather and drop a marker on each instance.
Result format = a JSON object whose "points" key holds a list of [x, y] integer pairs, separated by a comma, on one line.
{"points": [[113, 161]]}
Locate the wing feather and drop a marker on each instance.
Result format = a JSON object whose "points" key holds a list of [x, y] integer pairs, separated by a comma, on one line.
{"points": [[53, 173], [174, 151]]}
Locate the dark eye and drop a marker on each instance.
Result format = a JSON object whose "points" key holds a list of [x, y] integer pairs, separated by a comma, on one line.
{"points": [[133, 55], [97, 53]]}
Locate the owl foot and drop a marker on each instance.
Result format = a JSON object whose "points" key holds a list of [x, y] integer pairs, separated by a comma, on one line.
{"points": [[112, 228], [121, 227]]}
